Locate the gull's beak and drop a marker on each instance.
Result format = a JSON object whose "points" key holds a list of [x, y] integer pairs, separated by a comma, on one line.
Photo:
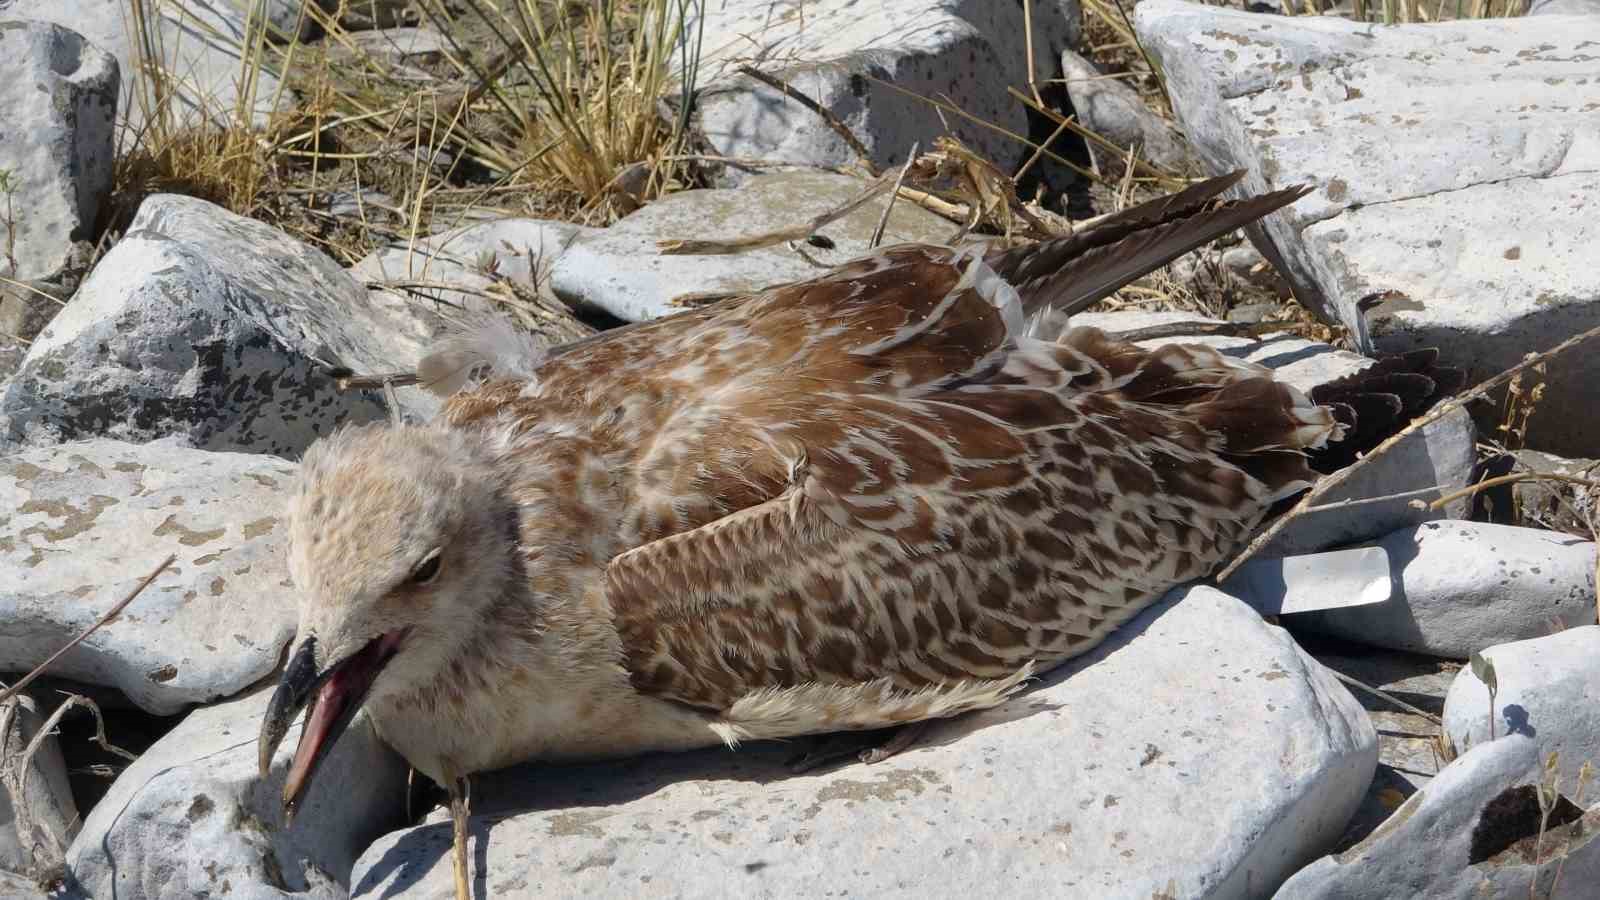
{"points": [[334, 697]]}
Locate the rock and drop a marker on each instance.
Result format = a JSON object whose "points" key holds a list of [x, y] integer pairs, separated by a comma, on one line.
{"points": [[1442, 453], [424, 45], [1462, 194], [37, 838], [840, 53], [1089, 784], [216, 328], [1545, 689], [1470, 833], [1463, 586], [200, 43], [1116, 112], [1555, 505], [523, 250], [289, 20], [191, 819], [90, 520], [56, 144], [621, 271], [1409, 754], [358, 15], [1564, 8]]}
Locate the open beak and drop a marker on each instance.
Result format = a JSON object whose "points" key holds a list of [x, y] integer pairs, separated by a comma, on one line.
{"points": [[334, 696]]}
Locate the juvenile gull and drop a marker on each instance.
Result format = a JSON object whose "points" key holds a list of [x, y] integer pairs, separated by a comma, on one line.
{"points": [[885, 495]]}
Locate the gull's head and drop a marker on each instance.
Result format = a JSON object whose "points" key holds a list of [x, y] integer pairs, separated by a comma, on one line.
{"points": [[400, 539]]}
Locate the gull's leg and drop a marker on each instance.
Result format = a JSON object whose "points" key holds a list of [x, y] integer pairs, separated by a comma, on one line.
{"points": [[460, 799], [867, 747]]}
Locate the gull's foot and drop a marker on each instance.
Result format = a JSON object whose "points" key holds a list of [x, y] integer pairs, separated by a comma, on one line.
{"points": [[863, 746]]}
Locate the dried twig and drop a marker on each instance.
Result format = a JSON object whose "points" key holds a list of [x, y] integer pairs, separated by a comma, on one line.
{"points": [[832, 121], [1385, 696], [894, 192], [1323, 486], [112, 613], [1514, 477]]}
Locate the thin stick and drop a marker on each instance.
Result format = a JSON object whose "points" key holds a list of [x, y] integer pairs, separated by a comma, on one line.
{"points": [[828, 117], [1386, 696], [1323, 486], [894, 193], [12, 691], [771, 238], [1487, 483]]}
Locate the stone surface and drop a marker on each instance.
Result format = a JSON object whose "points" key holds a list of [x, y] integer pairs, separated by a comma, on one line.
{"points": [[1409, 755], [1462, 586], [1553, 504], [1545, 688], [56, 140], [840, 52], [524, 250], [1564, 8], [1442, 453], [1464, 193], [1426, 849], [1111, 109], [36, 838], [215, 328], [199, 47], [423, 44], [1089, 784], [365, 14], [621, 271], [86, 522], [191, 819]]}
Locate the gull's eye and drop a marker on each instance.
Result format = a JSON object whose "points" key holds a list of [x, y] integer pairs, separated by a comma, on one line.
{"points": [[427, 569]]}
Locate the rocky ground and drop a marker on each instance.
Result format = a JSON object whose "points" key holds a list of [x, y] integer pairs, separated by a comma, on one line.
{"points": [[1394, 698]]}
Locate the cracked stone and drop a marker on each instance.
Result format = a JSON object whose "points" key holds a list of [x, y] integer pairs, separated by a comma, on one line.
{"points": [[1459, 201]]}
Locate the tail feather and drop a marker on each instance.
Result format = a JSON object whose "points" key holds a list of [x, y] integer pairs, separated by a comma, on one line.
{"points": [[1379, 400], [1073, 272]]}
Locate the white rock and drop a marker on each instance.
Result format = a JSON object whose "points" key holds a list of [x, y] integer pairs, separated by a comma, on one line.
{"points": [[1545, 689], [56, 142], [190, 818], [1564, 8], [1116, 112], [523, 250], [423, 44], [1090, 784], [839, 53], [1442, 453], [50, 815], [1408, 755], [200, 49], [1451, 161], [1427, 848], [86, 522], [213, 327], [1462, 586], [621, 271]]}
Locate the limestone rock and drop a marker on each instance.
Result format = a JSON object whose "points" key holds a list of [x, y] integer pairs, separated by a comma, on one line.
{"points": [[1462, 586], [1458, 202], [215, 328], [1545, 688], [86, 522], [1471, 833], [191, 819], [56, 141], [1115, 111], [621, 271], [1089, 784], [199, 49], [875, 66]]}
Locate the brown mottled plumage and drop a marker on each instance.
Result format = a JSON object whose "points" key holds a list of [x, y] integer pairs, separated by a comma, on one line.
{"points": [[882, 495]]}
